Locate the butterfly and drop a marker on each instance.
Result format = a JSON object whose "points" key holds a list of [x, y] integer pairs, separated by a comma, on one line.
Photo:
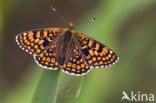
{"points": [[74, 52]]}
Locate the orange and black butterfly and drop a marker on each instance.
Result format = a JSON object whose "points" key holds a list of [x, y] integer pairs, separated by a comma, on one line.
{"points": [[75, 52]]}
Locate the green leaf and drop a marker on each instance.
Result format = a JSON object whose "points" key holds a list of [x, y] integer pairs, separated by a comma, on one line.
{"points": [[56, 87], [46, 89], [69, 88]]}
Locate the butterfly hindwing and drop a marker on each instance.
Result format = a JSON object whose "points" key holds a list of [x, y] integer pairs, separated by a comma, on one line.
{"points": [[47, 59], [36, 41], [76, 64], [96, 54]]}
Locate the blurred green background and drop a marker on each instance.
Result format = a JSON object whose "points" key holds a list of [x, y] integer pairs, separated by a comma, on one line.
{"points": [[126, 26]]}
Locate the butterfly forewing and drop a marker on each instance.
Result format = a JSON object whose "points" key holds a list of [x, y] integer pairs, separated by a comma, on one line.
{"points": [[96, 54], [36, 41]]}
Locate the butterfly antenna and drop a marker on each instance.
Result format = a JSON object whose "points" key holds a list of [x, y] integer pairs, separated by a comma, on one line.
{"points": [[91, 20], [58, 14]]}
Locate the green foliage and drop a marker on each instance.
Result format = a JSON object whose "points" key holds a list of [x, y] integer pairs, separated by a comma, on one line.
{"points": [[47, 87], [54, 87]]}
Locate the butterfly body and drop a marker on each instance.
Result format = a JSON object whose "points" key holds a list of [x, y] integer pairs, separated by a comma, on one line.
{"points": [[75, 52], [65, 46]]}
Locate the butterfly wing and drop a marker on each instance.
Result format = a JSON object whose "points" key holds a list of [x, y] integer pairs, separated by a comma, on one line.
{"points": [[47, 59], [96, 54], [36, 41], [76, 64]]}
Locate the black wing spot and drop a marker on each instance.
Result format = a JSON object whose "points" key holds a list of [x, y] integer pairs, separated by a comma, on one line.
{"points": [[88, 41], [41, 33], [34, 36], [86, 51], [94, 45], [46, 42], [53, 32], [100, 49], [82, 44]]}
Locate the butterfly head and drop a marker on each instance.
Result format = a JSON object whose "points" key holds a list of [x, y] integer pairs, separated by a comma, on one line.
{"points": [[70, 25]]}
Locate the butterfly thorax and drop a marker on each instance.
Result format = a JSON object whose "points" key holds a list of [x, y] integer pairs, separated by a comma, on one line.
{"points": [[65, 45]]}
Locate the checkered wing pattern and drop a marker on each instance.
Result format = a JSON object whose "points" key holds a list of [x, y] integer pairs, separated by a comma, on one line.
{"points": [[36, 41], [76, 64], [47, 59], [96, 54]]}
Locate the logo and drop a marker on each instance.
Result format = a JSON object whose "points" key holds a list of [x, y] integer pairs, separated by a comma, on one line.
{"points": [[138, 96]]}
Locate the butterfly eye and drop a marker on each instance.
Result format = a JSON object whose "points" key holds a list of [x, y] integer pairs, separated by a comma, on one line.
{"points": [[70, 25]]}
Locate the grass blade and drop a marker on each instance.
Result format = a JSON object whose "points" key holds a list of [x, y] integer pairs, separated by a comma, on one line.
{"points": [[47, 87]]}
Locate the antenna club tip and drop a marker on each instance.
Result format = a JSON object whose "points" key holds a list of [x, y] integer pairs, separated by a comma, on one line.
{"points": [[94, 19], [52, 8]]}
